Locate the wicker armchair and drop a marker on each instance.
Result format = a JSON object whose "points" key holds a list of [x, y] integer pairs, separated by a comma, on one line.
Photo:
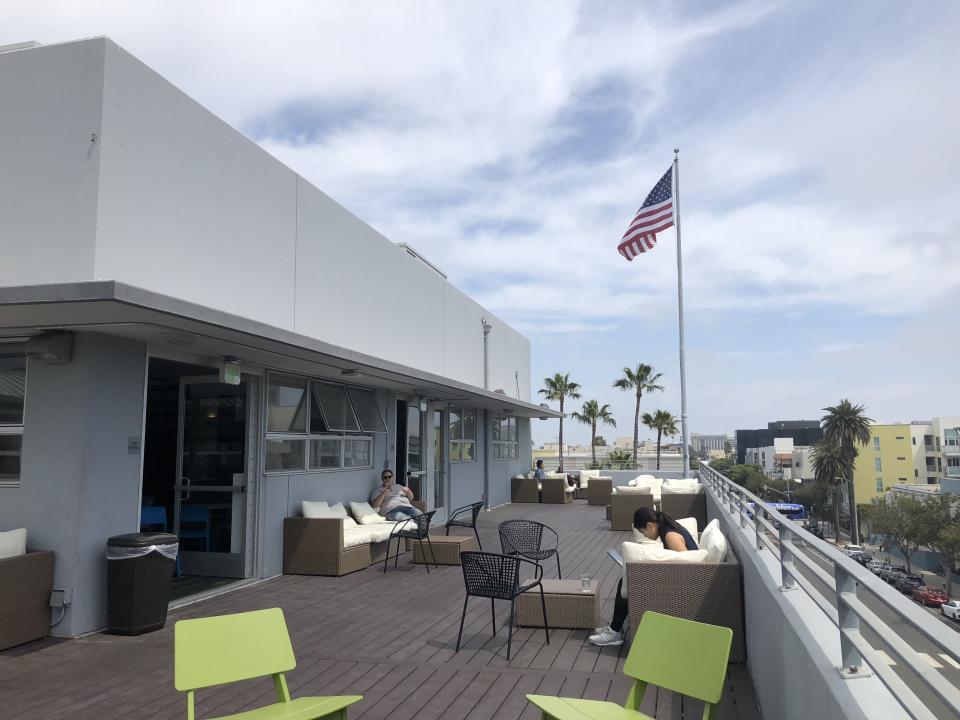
{"points": [[624, 505], [25, 585], [680, 506], [599, 491], [524, 490], [706, 592], [498, 577], [418, 532], [314, 546], [525, 538], [458, 518], [555, 491]]}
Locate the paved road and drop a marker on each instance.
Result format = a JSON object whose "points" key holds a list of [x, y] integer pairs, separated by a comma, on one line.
{"points": [[948, 666]]}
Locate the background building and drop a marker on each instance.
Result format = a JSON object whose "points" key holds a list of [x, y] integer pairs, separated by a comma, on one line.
{"points": [[886, 460], [802, 432]]}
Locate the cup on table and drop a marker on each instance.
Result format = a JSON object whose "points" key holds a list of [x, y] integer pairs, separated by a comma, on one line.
{"points": [[585, 581]]}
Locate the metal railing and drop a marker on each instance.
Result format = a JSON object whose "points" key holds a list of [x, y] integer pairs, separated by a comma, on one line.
{"points": [[776, 533]]}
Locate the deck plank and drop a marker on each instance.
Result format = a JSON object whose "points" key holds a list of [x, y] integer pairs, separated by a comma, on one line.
{"points": [[387, 636]]}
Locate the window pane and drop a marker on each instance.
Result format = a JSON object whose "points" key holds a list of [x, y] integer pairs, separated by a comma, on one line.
{"points": [[454, 451], [469, 424], [324, 453], [10, 457], [468, 450], [287, 405], [318, 426], [368, 412], [356, 453], [336, 407], [414, 461], [455, 427], [13, 377], [496, 451], [512, 430], [284, 454], [495, 429]]}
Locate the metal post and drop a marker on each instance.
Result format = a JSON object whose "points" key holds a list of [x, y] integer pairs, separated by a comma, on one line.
{"points": [[740, 504], [847, 621], [683, 359], [786, 559], [757, 512]]}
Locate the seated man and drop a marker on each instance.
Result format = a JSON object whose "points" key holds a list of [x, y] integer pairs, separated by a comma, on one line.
{"points": [[539, 474], [392, 500]]}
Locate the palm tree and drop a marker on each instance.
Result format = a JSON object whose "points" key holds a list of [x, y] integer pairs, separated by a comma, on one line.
{"points": [[664, 423], [639, 381], [846, 425], [829, 466], [590, 414], [560, 387]]}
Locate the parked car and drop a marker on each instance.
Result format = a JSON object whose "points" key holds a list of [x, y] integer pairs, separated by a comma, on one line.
{"points": [[875, 566], [894, 576], [852, 549], [951, 609], [908, 583], [864, 558], [930, 596], [887, 569]]}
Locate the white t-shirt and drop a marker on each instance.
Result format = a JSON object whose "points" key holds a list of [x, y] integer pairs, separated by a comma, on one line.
{"points": [[394, 499]]}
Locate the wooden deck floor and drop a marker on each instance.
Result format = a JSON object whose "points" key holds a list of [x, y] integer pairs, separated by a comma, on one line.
{"points": [[387, 637]]}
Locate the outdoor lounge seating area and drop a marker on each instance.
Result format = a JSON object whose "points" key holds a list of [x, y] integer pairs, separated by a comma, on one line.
{"points": [[405, 668], [26, 579]]}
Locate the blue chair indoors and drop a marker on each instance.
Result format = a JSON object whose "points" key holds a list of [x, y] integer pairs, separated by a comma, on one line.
{"points": [[153, 517], [195, 525]]}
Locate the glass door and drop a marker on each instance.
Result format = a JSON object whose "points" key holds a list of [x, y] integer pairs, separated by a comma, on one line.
{"points": [[211, 488], [416, 473]]}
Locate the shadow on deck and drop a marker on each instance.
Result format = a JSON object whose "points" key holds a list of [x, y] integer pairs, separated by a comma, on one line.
{"points": [[387, 637]]}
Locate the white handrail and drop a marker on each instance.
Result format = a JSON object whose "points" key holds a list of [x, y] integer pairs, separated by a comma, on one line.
{"points": [[849, 610]]}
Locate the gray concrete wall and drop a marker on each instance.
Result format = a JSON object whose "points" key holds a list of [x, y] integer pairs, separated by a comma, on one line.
{"points": [[79, 485], [793, 649]]}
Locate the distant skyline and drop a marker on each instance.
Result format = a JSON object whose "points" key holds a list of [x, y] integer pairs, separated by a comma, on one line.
{"points": [[510, 143]]}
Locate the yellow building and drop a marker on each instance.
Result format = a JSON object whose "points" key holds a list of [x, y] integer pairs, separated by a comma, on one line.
{"points": [[885, 461]]}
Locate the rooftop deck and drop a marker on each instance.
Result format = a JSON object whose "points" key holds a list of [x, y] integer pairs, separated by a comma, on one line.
{"points": [[388, 637]]}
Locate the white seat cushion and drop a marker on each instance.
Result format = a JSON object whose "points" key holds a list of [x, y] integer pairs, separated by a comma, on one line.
{"points": [[13, 543], [713, 542], [655, 552], [569, 489], [681, 487], [631, 490], [683, 482], [556, 476], [352, 537], [315, 509]]}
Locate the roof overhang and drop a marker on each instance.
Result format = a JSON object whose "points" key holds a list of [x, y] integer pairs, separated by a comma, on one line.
{"points": [[116, 308]]}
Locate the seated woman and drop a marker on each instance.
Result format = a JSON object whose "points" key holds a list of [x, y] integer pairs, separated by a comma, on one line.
{"points": [[655, 526]]}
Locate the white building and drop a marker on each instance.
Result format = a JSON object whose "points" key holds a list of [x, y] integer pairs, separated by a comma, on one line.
{"points": [[936, 449], [190, 330]]}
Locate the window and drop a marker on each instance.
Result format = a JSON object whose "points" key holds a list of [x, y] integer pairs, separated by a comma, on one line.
{"points": [[313, 425], [901, 458], [504, 440], [463, 434], [13, 381], [876, 444], [916, 473], [900, 437], [903, 480], [876, 465], [879, 484], [914, 440]]}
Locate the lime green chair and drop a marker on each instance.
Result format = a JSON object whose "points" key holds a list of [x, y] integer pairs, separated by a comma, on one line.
{"points": [[686, 657], [230, 648]]}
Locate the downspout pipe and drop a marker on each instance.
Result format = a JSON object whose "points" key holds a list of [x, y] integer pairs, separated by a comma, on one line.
{"points": [[487, 327]]}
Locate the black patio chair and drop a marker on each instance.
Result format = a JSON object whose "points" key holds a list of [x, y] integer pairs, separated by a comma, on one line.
{"points": [[525, 538], [474, 510], [498, 577], [419, 532]]}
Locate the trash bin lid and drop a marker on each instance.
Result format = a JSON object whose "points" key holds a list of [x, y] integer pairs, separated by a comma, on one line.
{"points": [[141, 539]]}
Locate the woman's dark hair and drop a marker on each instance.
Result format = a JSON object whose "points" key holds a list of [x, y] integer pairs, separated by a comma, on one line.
{"points": [[664, 522]]}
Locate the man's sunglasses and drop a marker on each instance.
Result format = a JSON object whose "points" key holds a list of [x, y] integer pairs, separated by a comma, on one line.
{"points": [[387, 477]]}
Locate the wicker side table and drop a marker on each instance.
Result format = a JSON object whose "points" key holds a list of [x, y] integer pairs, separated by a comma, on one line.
{"points": [[447, 548], [567, 605]]}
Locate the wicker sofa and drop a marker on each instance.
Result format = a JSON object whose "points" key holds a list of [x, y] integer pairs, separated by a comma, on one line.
{"points": [[686, 505], [524, 489], [706, 592], [319, 546], [599, 491], [624, 505], [556, 490], [25, 585]]}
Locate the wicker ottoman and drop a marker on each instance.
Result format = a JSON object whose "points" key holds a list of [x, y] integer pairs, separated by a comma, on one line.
{"points": [[582, 493], [567, 605], [447, 548]]}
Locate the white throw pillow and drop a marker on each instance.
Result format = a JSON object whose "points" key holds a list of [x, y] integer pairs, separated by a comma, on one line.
{"points": [[628, 490], [314, 509], [586, 476], [654, 552], [683, 482], [641, 539], [569, 489], [361, 510], [680, 489], [690, 525], [13, 543], [556, 476], [713, 542], [338, 510]]}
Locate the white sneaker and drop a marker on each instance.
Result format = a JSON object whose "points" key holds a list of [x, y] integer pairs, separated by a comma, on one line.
{"points": [[606, 638]]}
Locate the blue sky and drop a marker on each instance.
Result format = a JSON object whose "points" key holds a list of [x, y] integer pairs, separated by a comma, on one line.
{"points": [[511, 143]]}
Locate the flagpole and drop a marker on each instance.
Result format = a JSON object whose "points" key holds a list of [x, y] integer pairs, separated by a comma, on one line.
{"points": [[683, 358]]}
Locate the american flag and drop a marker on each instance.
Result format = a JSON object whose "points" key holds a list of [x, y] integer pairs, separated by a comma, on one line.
{"points": [[654, 215]]}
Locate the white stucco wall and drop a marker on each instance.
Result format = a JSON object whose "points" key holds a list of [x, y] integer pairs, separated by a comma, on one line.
{"points": [[172, 199]]}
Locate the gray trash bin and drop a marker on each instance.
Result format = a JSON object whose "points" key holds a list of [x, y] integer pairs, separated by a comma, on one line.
{"points": [[139, 571]]}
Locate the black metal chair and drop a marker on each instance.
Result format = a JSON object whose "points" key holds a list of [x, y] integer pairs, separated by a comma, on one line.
{"points": [[474, 510], [419, 532], [525, 538], [498, 577]]}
